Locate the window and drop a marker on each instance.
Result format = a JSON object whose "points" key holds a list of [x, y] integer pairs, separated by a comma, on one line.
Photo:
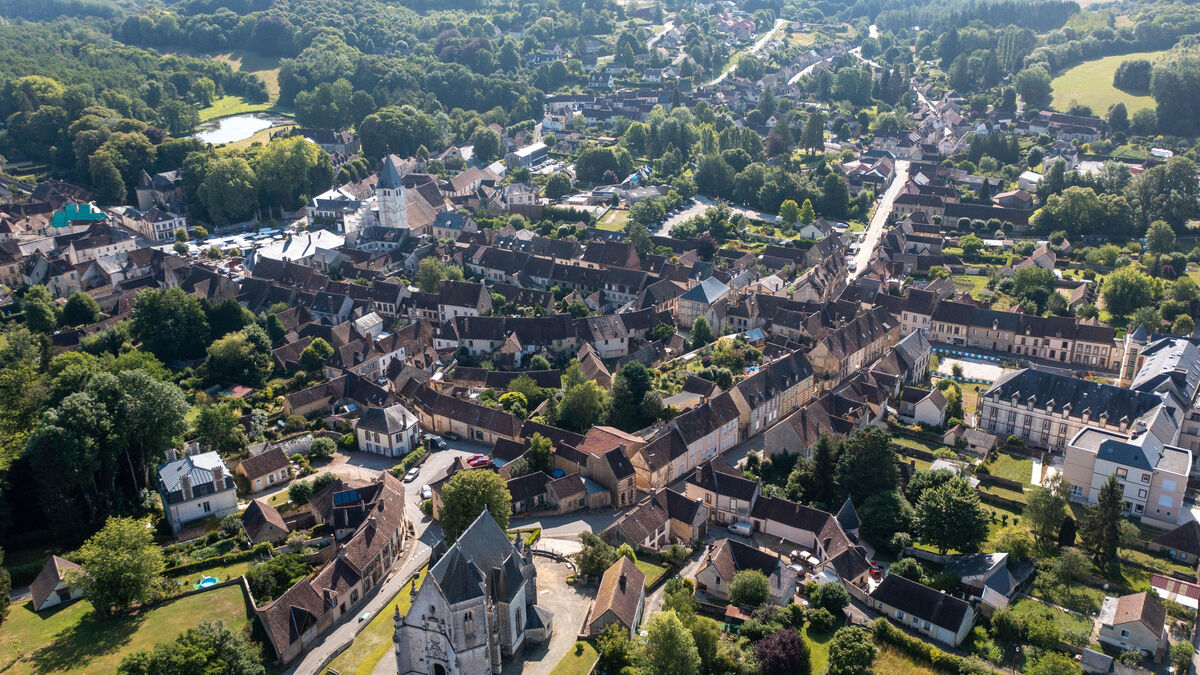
{"points": [[1141, 494], [207, 508], [1124, 633], [1122, 472], [1076, 491], [1164, 500], [1145, 478]]}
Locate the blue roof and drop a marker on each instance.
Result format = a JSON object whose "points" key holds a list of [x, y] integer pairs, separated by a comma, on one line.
{"points": [[707, 291]]}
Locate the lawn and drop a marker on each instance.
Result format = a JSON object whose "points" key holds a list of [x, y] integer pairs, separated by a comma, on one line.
{"points": [[614, 219], [73, 639], [970, 395], [973, 284], [892, 661], [231, 105], [262, 136], [1090, 84], [578, 661], [1012, 467], [373, 643], [222, 572], [653, 571], [818, 649], [1066, 622]]}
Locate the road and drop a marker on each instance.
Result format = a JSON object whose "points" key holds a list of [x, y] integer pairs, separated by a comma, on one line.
{"points": [[665, 29], [426, 534], [700, 206], [880, 219], [754, 49]]}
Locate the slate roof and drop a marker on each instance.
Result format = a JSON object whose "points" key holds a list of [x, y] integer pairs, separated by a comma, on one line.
{"points": [[718, 477], [259, 519], [916, 599], [390, 420], [1082, 395], [707, 291], [1185, 538], [620, 592]]}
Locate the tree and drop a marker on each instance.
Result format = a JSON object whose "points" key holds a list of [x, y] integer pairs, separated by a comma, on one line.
{"points": [[851, 652], [1118, 117], [170, 323], [949, 516], [701, 333], [1015, 541], [558, 185], [971, 245], [486, 143], [789, 211], [41, 313], [1054, 663], [813, 137], [582, 406], [120, 564], [430, 272], [210, 647], [220, 428], [243, 356], [1181, 656], [322, 448], [1066, 532], [679, 596], [783, 652], [229, 191], [833, 598], [1184, 325], [884, 514], [629, 388], [1046, 509], [647, 212], [1160, 237], [867, 465], [1033, 85], [615, 649], [80, 309], [5, 589], [541, 453], [299, 492], [1102, 523], [314, 356], [749, 587], [909, 568], [669, 648], [467, 494], [1127, 289]]}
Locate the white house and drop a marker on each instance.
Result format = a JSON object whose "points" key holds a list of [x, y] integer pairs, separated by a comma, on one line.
{"points": [[391, 431], [196, 487]]}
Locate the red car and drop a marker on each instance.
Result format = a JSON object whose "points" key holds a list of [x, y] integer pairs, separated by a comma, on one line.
{"points": [[479, 460], [876, 573]]}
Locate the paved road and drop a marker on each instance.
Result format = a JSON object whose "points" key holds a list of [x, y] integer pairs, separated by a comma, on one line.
{"points": [[879, 220], [700, 206], [665, 29], [426, 533], [754, 49]]}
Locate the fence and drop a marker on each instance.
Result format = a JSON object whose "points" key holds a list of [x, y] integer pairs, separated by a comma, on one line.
{"points": [[996, 500]]}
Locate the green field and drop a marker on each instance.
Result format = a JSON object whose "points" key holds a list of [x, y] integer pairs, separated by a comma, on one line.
{"points": [[652, 571], [578, 661], [1090, 84], [614, 220], [72, 639], [374, 642]]}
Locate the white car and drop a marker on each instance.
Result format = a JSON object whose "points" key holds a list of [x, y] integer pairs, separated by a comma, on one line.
{"points": [[412, 474], [426, 492]]}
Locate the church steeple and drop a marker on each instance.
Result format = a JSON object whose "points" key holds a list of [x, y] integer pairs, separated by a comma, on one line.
{"points": [[389, 191]]}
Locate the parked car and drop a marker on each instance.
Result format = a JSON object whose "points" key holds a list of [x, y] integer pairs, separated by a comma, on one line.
{"points": [[437, 441], [426, 492], [741, 528], [450, 436], [364, 616], [412, 474], [876, 572], [478, 460]]}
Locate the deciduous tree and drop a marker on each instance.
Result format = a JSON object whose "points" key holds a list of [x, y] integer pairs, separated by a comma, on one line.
{"points": [[120, 564], [466, 495]]}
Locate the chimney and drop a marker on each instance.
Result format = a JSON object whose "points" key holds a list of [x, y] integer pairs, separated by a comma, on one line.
{"points": [[185, 481], [218, 478], [621, 582], [172, 455]]}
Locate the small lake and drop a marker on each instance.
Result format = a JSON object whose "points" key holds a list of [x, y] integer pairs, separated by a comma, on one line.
{"points": [[236, 127]]}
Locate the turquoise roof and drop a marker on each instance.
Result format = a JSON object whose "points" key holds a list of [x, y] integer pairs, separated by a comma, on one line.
{"points": [[72, 213]]}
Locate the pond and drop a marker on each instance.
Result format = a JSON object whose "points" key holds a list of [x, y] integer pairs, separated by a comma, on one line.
{"points": [[236, 127]]}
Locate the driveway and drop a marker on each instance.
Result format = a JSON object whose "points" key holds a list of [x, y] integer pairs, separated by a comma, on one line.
{"points": [[880, 219], [570, 604]]}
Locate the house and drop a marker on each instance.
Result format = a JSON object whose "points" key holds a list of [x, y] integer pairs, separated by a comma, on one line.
{"points": [[1185, 593], [659, 520], [265, 470], [390, 431], [1134, 622], [440, 413], [620, 600], [449, 225], [924, 610], [855, 345], [478, 606], [528, 156], [699, 302], [918, 406], [196, 487], [52, 587], [1181, 543], [529, 492], [263, 522], [728, 557], [971, 440], [724, 491]]}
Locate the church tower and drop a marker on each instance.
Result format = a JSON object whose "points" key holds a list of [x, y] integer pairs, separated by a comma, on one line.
{"points": [[393, 207]]}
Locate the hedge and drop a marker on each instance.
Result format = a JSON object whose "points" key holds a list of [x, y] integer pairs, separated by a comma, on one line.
{"points": [[885, 632], [227, 559], [410, 460]]}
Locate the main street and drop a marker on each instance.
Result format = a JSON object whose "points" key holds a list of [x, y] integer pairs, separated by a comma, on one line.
{"points": [[879, 220]]}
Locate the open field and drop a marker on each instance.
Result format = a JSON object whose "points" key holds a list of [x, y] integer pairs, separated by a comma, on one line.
{"points": [[265, 67], [231, 105], [72, 639], [1090, 84], [614, 220]]}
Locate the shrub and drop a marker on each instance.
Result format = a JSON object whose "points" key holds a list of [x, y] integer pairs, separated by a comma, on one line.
{"points": [[821, 620], [886, 633]]}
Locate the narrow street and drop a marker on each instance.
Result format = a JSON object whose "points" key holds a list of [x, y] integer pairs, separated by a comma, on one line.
{"points": [[880, 219], [752, 50]]}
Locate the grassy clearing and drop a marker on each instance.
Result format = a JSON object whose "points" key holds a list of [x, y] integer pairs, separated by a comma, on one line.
{"points": [[373, 643], [1012, 467], [974, 284], [221, 572], [72, 639], [653, 571], [265, 67], [262, 136], [231, 105], [892, 661], [614, 220], [1090, 84], [578, 661], [818, 649], [1066, 622]]}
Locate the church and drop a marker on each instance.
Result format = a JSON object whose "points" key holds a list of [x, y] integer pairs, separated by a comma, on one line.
{"points": [[477, 605]]}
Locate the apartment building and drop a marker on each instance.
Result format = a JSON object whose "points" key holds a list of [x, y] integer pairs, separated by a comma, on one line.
{"points": [[1049, 338]]}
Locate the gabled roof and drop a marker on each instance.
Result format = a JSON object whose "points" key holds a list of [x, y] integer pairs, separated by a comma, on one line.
{"points": [[936, 607], [268, 461], [707, 291], [1185, 538], [260, 519], [47, 580], [621, 591], [847, 517]]}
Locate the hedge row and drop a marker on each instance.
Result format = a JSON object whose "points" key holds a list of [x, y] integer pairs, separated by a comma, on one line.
{"points": [[885, 632], [227, 559]]}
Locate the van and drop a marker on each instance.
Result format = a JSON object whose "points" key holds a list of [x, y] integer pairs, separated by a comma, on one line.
{"points": [[744, 529]]}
